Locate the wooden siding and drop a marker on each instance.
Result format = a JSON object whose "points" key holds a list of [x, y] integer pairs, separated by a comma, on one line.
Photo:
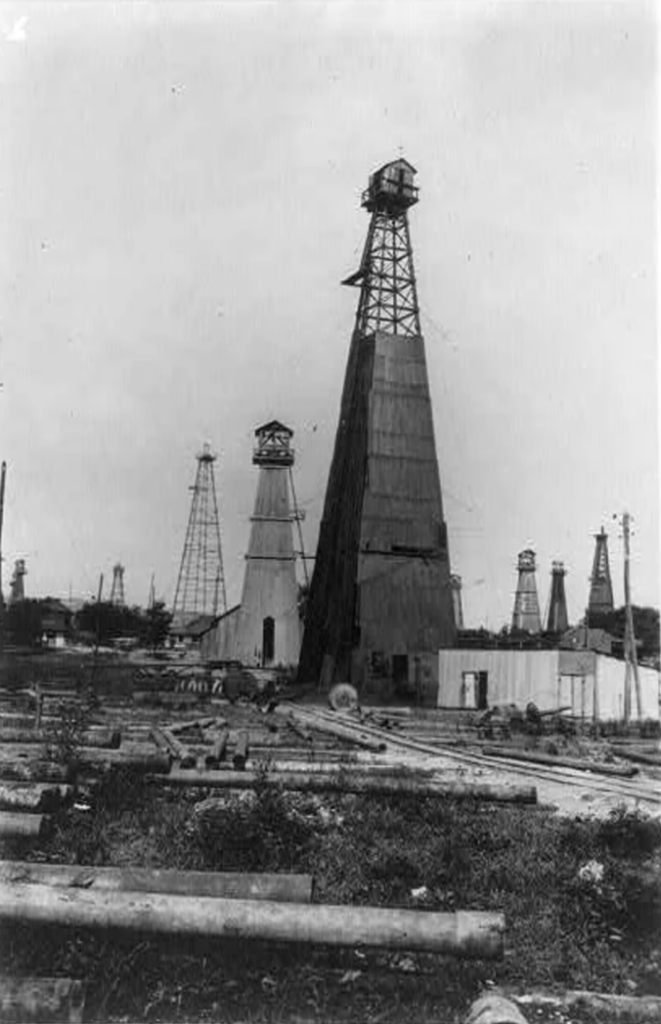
{"points": [[382, 577]]}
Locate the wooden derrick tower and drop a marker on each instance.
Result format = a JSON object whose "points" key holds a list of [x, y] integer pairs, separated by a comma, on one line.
{"points": [[380, 603], [600, 602], [526, 617], [557, 620], [269, 631]]}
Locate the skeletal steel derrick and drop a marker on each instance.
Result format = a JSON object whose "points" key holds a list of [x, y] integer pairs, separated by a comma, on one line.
{"points": [[201, 581], [386, 277]]}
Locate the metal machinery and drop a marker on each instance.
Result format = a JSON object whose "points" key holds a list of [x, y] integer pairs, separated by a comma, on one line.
{"points": [[526, 617], [380, 603], [201, 581]]}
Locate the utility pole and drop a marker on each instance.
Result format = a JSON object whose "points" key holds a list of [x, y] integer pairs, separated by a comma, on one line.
{"points": [[630, 653]]}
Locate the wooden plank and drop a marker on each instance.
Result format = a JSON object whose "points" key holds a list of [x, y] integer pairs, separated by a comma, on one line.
{"points": [[291, 888]]}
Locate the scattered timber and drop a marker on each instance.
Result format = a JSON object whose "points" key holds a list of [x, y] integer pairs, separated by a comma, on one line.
{"points": [[466, 934], [349, 782], [35, 798], [345, 732], [494, 1009], [92, 738], [165, 697], [197, 723], [217, 752], [299, 730], [512, 753], [14, 825], [180, 752], [624, 1009], [285, 888], [653, 760], [97, 759], [37, 999], [35, 771], [241, 751]]}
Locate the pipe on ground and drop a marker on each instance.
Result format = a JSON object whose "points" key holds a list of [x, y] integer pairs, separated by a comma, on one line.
{"points": [[465, 934]]}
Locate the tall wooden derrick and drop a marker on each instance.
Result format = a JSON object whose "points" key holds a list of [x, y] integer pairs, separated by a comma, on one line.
{"points": [[525, 616], [380, 603], [600, 602], [269, 631], [557, 620]]}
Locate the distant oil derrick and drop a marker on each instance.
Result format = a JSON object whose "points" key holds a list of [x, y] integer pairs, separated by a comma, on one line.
{"points": [[201, 581], [380, 603], [270, 630], [455, 582], [526, 617], [17, 587], [557, 620], [600, 601], [117, 589]]}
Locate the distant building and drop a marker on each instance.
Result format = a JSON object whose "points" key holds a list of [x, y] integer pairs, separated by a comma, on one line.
{"points": [[56, 621]]}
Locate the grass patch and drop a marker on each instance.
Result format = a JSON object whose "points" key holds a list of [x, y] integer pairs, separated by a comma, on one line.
{"points": [[582, 900]]}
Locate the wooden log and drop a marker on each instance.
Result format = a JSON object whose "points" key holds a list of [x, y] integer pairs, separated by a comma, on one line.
{"points": [[35, 771], [620, 1008], [466, 934], [344, 732], [180, 752], [494, 1009], [37, 999], [241, 751], [165, 698], [280, 888], [110, 738], [653, 760], [347, 782], [152, 762], [33, 798], [299, 729], [22, 826], [197, 723], [513, 754], [217, 752]]}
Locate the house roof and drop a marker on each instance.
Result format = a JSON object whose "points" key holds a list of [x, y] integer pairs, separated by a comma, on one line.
{"points": [[272, 426], [399, 160]]}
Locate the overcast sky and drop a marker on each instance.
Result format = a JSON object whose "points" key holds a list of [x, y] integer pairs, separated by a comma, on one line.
{"points": [[179, 200]]}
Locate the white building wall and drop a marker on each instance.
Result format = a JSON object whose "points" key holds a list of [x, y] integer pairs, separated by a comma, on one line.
{"points": [[513, 677], [610, 683], [551, 679]]}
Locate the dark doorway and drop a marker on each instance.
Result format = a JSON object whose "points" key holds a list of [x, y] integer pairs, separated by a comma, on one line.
{"points": [[482, 686], [400, 669], [268, 640]]}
